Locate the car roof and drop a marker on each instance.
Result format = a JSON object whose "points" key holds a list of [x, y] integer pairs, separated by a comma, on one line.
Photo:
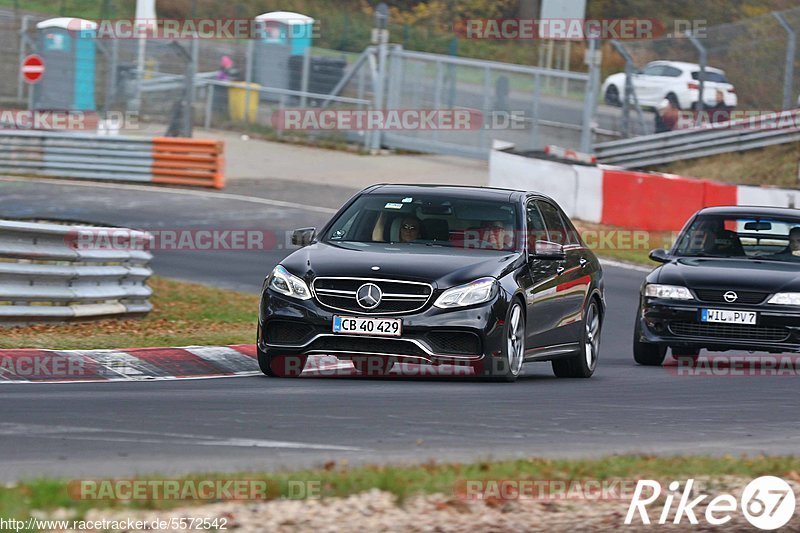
{"points": [[751, 210], [454, 191], [685, 65]]}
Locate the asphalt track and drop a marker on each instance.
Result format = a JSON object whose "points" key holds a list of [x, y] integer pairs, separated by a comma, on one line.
{"points": [[119, 429]]}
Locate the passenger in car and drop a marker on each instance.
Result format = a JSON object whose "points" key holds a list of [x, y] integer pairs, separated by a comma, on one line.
{"points": [[792, 251], [409, 229]]}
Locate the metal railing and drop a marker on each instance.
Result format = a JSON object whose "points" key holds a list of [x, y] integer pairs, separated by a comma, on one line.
{"points": [[54, 272], [112, 157], [721, 138]]}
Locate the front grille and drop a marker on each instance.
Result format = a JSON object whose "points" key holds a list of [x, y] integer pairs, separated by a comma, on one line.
{"points": [[728, 331], [398, 297], [356, 345], [454, 342], [718, 296], [286, 332]]}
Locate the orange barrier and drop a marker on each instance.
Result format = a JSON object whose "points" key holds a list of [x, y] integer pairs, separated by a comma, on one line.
{"points": [[195, 162]]}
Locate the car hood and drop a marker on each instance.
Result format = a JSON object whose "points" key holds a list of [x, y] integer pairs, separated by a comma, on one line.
{"points": [[440, 265], [730, 274]]}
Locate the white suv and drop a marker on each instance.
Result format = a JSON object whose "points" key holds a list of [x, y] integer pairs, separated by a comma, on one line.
{"points": [[674, 80]]}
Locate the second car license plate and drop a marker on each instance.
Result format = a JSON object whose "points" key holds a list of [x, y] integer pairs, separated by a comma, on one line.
{"points": [[388, 327], [725, 316]]}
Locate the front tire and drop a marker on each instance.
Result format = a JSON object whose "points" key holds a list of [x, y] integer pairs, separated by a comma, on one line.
{"points": [[281, 366], [647, 353], [584, 364], [508, 367]]}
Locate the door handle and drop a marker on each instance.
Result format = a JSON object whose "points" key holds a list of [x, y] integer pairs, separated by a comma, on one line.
{"points": [[560, 270]]}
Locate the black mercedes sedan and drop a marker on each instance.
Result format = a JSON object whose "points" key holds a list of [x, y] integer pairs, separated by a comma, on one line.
{"points": [[730, 282], [472, 276]]}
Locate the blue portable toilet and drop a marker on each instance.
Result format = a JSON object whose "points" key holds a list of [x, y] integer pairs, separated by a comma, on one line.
{"points": [[281, 36], [67, 46]]}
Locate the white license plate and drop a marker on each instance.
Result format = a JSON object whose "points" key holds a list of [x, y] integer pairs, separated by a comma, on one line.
{"points": [[725, 316], [353, 325]]}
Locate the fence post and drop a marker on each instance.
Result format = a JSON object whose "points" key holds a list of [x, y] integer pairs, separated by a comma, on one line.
{"points": [[590, 99], [629, 92], [537, 95], [23, 41], [381, 37], [248, 78], [209, 105], [437, 93], [788, 72], [703, 61], [305, 75], [483, 141]]}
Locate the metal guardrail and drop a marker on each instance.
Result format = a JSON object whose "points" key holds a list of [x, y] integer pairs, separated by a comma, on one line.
{"points": [[113, 157], [51, 272], [172, 82], [721, 138]]}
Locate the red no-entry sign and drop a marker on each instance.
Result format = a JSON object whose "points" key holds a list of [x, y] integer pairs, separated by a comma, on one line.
{"points": [[32, 68]]}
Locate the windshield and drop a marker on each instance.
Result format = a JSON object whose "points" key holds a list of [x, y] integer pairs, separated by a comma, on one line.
{"points": [[435, 220], [769, 238]]}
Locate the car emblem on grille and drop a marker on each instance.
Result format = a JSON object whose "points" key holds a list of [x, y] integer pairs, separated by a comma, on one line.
{"points": [[369, 296], [730, 297]]}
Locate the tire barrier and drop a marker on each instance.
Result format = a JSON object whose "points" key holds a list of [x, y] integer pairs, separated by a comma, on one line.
{"points": [[626, 198], [163, 160], [53, 272]]}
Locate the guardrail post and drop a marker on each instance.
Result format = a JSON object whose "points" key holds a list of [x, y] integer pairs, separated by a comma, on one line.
{"points": [[788, 72]]}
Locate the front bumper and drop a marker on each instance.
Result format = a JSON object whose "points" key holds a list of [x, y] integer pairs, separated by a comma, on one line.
{"points": [[677, 323], [292, 327]]}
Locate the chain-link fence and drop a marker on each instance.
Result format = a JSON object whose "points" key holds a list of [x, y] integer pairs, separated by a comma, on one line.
{"points": [[752, 52]]}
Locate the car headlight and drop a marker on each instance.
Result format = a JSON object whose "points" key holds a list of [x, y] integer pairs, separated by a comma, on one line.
{"points": [[785, 298], [476, 292], [671, 292], [284, 282]]}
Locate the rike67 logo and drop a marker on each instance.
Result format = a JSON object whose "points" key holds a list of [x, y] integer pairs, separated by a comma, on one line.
{"points": [[767, 503]]}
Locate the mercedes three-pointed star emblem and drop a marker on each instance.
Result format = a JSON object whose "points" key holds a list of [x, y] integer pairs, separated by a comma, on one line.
{"points": [[369, 296]]}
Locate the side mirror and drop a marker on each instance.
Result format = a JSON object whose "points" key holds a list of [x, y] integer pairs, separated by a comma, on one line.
{"points": [[303, 236], [548, 250], [660, 255]]}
